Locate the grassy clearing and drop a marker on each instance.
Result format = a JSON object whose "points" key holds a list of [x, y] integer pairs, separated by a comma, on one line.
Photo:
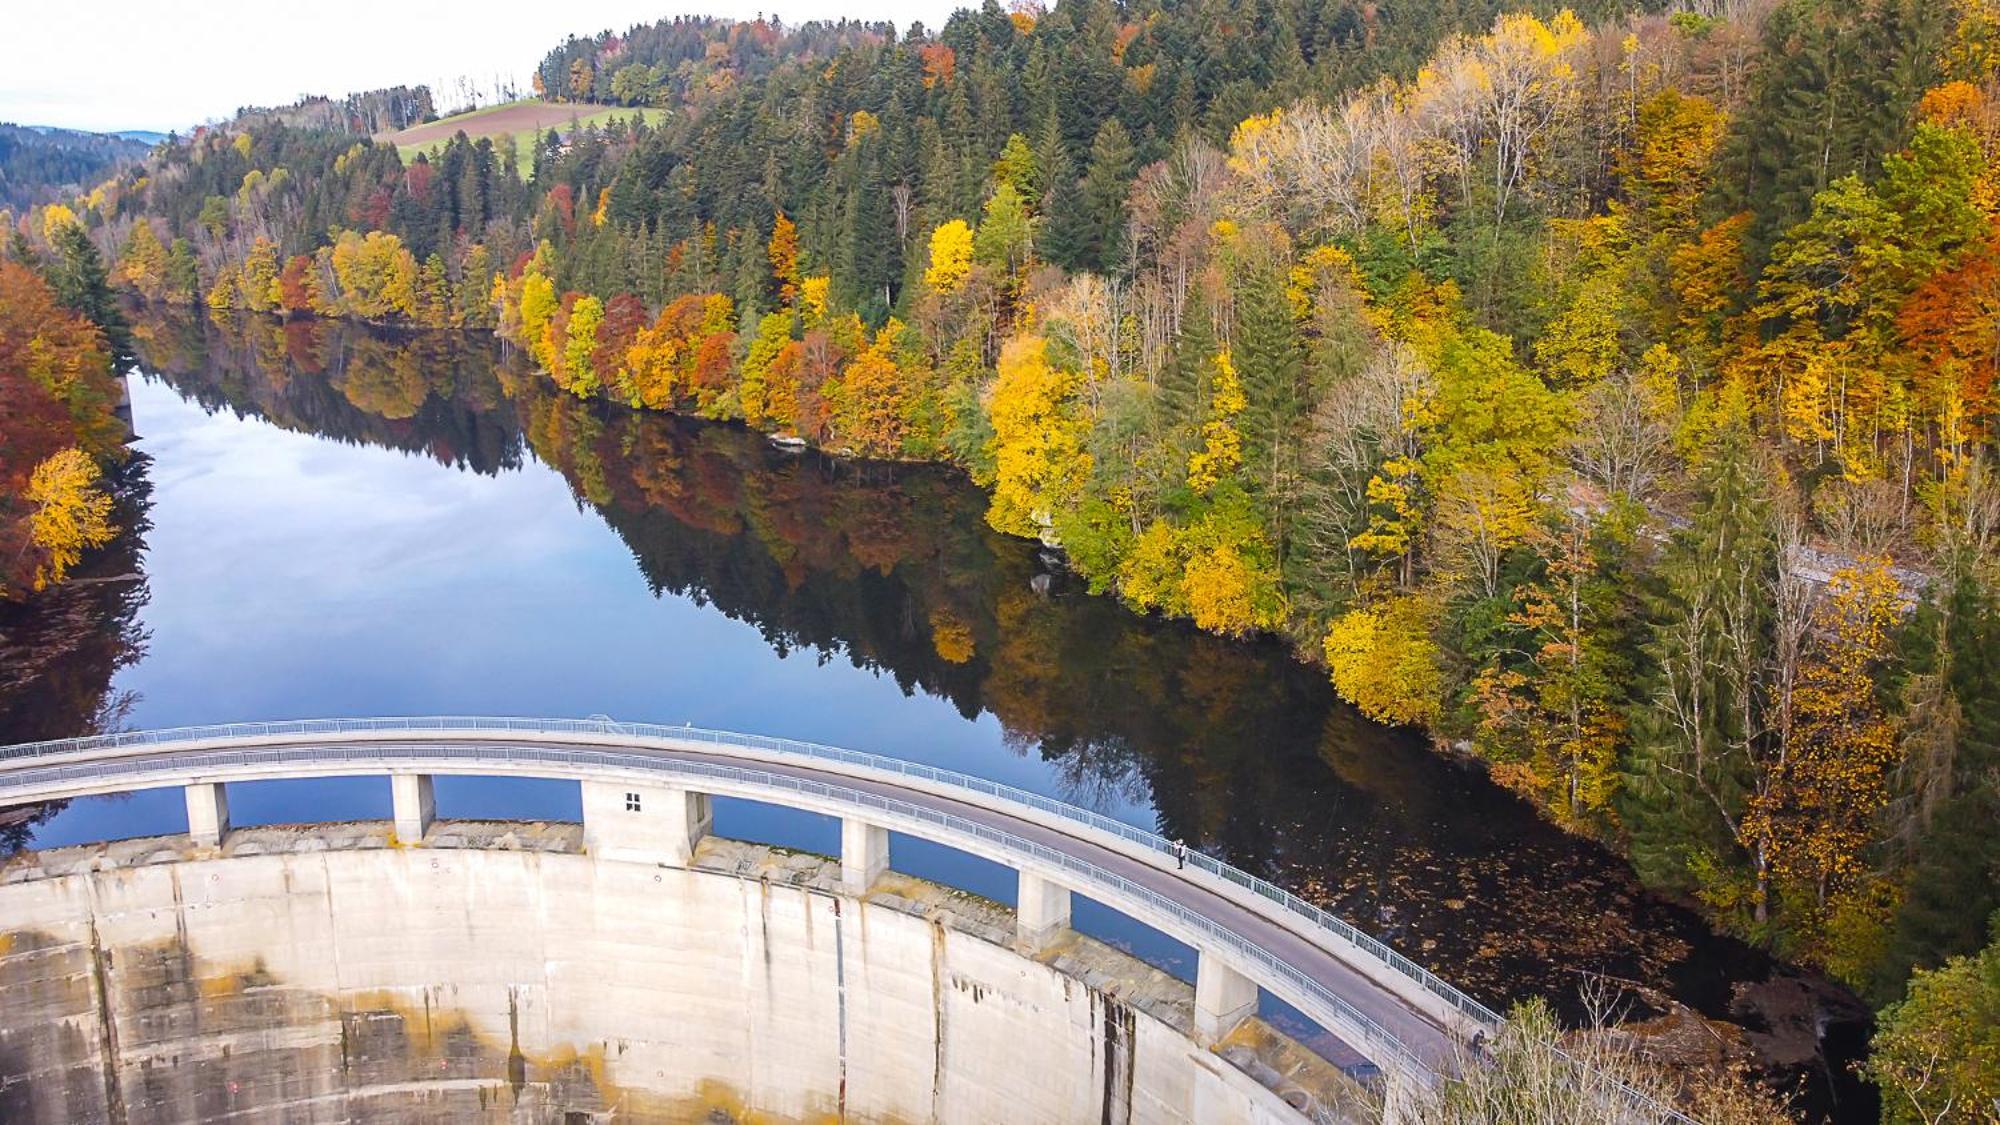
{"points": [[519, 123]]}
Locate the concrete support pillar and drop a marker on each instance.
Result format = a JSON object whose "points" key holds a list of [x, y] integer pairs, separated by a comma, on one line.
{"points": [[1042, 910], [864, 854], [415, 803], [642, 823], [1223, 998], [208, 812]]}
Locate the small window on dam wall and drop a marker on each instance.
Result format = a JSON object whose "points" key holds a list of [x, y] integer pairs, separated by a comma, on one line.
{"points": [[631, 802]]}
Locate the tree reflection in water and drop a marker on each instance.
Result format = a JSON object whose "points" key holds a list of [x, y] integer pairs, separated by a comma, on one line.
{"points": [[60, 649]]}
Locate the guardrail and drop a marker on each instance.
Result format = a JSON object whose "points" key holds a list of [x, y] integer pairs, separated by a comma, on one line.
{"points": [[15, 757]]}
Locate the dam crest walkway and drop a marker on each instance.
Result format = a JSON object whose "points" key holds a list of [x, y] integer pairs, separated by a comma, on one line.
{"points": [[646, 791]]}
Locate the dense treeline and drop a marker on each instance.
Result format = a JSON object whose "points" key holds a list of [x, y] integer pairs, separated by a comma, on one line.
{"points": [[1609, 396], [689, 60], [365, 113]]}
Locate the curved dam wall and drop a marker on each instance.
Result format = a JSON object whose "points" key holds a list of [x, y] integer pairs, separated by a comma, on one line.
{"points": [[323, 974]]}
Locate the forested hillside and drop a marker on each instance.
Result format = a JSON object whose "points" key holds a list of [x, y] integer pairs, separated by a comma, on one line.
{"points": [[1608, 392], [42, 165], [690, 60]]}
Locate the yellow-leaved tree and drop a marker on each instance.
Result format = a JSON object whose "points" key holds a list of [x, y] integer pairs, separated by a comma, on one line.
{"points": [[867, 399], [783, 250], [1218, 570], [258, 281], [55, 217], [1221, 450], [1384, 661], [1039, 463], [951, 256], [760, 392], [143, 265], [537, 311], [71, 514], [813, 300], [579, 342], [376, 273]]}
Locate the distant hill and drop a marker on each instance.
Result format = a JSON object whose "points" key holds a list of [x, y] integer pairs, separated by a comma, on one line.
{"points": [[39, 163]]}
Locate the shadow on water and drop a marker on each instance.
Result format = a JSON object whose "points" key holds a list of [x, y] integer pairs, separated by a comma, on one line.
{"points": [[1236, 747]]}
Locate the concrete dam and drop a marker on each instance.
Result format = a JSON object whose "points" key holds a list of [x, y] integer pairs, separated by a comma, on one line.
{"points": [[637, 967]]}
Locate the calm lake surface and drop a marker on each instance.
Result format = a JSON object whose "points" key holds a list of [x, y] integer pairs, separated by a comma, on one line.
{"points": [[350, 522]]}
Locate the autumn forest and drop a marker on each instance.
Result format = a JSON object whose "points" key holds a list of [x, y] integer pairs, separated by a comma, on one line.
{"points": [[1606, 392]]}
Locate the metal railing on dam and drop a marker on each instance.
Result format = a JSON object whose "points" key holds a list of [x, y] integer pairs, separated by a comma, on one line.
{"points": [[460, 744]]}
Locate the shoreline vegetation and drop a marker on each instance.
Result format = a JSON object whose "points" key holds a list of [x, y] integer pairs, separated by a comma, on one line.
{"points": [[1607, 393], [73, 496], [60, 431]]}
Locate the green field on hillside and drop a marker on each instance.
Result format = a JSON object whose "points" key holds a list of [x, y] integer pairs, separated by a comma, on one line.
{"points": [[519, 121]]}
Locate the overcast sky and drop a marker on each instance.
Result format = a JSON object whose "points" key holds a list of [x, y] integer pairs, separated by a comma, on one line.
{"points": [[169, 64]]}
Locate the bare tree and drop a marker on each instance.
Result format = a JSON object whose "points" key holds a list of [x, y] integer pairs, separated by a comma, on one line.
{"points": [[1504, 96], [1765, 679], [1405, 154], [1312, 164], [1623, 441], [1350, 435], [903, 199], [1533, 1073], [1860, 517], [1447, 97], [1084, 315], [1173, 204]]}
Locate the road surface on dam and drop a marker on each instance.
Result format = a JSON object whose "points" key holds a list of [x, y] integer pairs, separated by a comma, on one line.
{"points": [[1380, 1011]]}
